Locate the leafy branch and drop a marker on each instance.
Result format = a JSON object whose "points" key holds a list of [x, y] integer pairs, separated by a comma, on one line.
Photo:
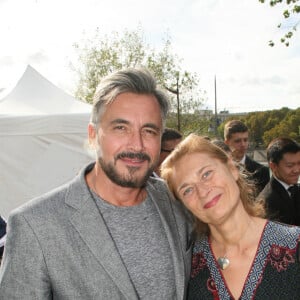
{"points": [[291, 8]]}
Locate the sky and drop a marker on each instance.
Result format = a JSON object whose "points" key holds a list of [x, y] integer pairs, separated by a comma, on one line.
{"points": [[226, 39]]}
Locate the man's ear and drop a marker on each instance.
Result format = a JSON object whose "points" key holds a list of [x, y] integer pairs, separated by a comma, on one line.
{"points": [[92, 134], [272, 166]]}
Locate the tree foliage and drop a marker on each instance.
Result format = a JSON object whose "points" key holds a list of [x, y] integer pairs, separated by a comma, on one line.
{"points": [[267, 125], [103, 55], [290, 9]]}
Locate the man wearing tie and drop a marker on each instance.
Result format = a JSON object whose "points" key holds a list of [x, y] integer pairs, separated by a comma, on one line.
{"points": [[282, 193], [236, 136]]}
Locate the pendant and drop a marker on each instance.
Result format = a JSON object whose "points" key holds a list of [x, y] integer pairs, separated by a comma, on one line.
{"points": [[223, 262]]}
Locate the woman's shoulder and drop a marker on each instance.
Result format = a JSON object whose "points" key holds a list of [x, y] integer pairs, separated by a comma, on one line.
{"points": [[283, 234], [284, 228]]}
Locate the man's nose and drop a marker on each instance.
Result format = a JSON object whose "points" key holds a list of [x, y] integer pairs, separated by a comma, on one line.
{"points": [[136, 141], [296, 169], [244, 144]]}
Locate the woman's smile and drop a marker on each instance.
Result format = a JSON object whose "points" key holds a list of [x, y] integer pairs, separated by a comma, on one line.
{"points": [[213, 202]]}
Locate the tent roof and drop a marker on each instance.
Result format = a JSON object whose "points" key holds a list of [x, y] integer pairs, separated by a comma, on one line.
{"points": [[35, 95]]}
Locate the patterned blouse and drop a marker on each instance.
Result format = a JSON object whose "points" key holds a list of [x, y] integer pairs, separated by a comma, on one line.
{"points": [[275, 272]]}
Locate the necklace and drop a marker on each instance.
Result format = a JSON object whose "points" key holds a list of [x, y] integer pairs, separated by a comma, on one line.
{"points": [[223, 262]]}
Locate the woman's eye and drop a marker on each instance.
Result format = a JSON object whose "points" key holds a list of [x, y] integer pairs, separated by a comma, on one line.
{"points": [[187, 191], [206, 174]]}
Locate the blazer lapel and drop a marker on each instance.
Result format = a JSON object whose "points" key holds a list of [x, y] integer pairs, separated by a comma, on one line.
{"points": [[89, 223], [166, 214], [282, 193]]}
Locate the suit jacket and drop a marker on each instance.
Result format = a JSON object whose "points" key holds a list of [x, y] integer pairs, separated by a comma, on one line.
{"points": [[258, 173], [58, 247], [279, 205]]}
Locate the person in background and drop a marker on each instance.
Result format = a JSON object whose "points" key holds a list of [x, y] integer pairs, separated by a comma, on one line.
{"points": [[2, 236], [238, 254], [169, 140], [222, 145], [236, 136], [112, 232], [282, 193]]}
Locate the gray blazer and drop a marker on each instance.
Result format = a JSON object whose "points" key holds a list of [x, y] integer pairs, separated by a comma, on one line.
{"points": [[58, 247]]}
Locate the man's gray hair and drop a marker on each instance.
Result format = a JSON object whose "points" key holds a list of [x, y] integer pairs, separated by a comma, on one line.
{"points": [[138, 81]]}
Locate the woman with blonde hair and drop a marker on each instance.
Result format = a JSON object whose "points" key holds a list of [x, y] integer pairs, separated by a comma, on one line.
{"points": [[238, 254]]}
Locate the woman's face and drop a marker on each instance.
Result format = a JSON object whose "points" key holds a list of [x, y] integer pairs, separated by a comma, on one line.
{"points": [[207, 187]]}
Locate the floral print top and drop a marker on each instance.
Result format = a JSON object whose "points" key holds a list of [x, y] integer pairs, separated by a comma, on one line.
{"points": [[275, 272]]}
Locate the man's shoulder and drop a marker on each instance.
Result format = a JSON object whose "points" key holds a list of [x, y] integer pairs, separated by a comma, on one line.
{"points": [[272, 189], [267, 191], [51, 201], [157, 182], [157, 186], [160, 186], [250, 160], [43, 203], [254, 165]]}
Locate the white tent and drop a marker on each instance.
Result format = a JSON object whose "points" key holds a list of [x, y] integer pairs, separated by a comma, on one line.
{"points": [[43, 134]]}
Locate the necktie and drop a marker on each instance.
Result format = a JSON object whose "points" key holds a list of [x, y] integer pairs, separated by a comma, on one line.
{"points": [[295, 196], [294, 192]]}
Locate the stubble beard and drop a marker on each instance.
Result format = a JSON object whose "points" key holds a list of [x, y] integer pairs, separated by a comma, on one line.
{"points": [[125, 180]]}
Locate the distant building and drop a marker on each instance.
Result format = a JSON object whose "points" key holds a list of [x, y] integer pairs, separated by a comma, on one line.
{"points": [[206, 113], [223, 115]]}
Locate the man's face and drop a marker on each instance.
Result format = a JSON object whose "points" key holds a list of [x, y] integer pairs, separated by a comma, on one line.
{"points": [[288, 168], [128, 139], [166, 148], [238, 143]]}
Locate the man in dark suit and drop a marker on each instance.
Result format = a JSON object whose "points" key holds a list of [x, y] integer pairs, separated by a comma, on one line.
{"points": [[236, 136], [282, 194]]}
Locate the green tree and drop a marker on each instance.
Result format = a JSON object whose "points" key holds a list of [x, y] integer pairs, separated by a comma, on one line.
{"points": [[288, 126], [290, 9], [266, 125], [100, 56], [261, 122]]}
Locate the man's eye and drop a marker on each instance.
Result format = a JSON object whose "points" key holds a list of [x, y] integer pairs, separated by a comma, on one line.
{"points": [[119, 127], [150, 132]]}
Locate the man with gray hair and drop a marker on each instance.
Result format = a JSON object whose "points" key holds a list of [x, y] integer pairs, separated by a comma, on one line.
{"points": [[112, 232]]}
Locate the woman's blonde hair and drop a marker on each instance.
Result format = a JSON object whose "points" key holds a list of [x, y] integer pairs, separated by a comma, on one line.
{"points": [[197, 144]]}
